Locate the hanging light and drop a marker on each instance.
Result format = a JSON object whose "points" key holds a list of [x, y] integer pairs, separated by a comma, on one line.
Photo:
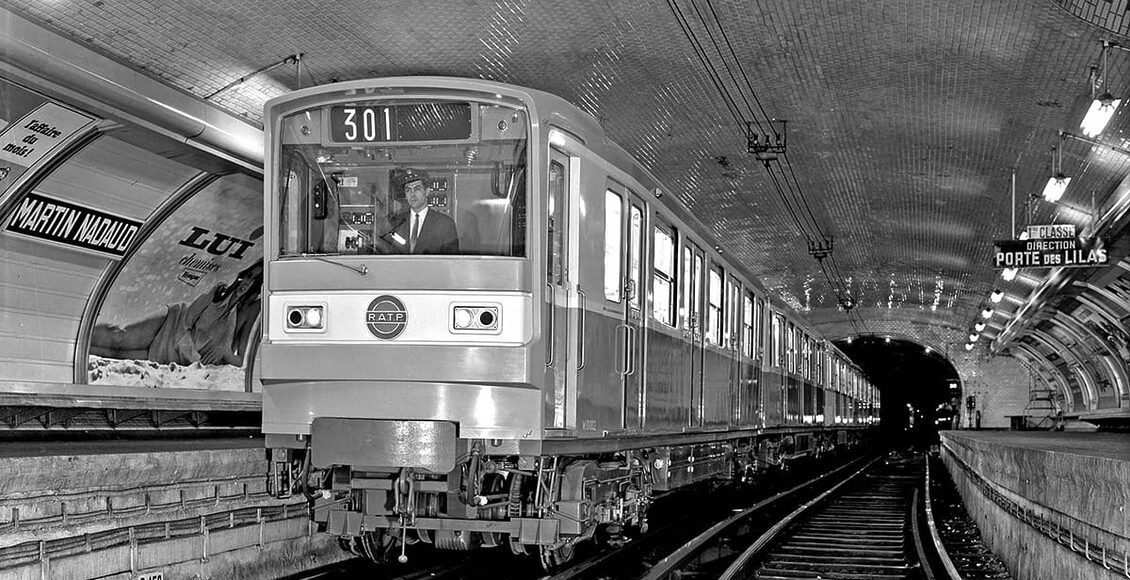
{"points": [[979, 326], [969, 346], [1103, 106], [996, 296], [1058, 182], [973, 337], [987, 313]]}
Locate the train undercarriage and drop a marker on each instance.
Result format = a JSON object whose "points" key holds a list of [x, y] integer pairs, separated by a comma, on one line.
{"points": [[536, 505]]}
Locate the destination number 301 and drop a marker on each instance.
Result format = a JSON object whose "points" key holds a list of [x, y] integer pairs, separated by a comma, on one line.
{"points": [[366, 124]]}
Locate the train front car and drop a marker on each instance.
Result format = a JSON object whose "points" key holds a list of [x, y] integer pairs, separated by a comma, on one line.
{"points": [[400, 363]]}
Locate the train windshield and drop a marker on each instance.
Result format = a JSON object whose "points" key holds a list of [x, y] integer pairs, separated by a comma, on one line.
{"points": [[388, 177]]}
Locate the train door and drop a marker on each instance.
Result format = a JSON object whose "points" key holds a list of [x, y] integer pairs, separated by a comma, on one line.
{"points": [[634, 254], [560, 325], [693, 265]]}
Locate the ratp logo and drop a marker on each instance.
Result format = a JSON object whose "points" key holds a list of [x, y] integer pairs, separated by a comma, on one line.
{"points": [[386, 317]]}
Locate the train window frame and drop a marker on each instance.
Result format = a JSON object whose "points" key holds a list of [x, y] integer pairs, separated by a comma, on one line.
{"points": [[669, 279], [748, 343], [776, 340], [715, 280], [790, 346], [555, 232], [636, 249], [693, 262], [613, 252], [731, 312]]}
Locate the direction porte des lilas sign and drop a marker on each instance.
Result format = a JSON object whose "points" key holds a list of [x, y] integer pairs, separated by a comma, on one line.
{"points": [[1049, 246]]}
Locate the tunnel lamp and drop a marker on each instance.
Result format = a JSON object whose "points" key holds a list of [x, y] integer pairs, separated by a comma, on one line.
{"points": [[1099, 114], [979, 326], [887, 340], [996, 296], [1058, 182], [973, 337], [1008, 274], [928, 350], [969, 346], [987, 313], [1103, 106], [849, 340]]}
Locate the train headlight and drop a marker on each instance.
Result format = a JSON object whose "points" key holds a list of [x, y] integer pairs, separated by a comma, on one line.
{"points": [[481, 318], [305, 317]]}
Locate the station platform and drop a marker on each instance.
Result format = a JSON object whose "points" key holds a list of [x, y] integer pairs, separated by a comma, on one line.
{"points": [[1050, 504], [178, 508]]}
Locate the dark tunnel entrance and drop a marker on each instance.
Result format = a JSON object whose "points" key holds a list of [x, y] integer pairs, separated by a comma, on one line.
{"points": [[920, 388]]}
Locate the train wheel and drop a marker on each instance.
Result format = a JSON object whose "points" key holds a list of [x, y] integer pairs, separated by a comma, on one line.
{"points": [[552, 558], [376, 545], [517, 508]]}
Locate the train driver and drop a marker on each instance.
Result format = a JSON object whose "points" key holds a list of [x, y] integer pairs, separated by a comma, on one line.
{"points": [[421, 230]]}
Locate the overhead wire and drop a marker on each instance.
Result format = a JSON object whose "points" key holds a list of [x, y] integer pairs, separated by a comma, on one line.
{"points": [[786, 184]]}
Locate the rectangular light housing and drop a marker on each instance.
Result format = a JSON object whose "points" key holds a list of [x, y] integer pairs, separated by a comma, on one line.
{"points": [[305, 317], [1098, 115], [1057, 184]]}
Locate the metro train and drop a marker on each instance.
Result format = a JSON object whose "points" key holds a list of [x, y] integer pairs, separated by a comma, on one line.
{"points": [[584, 345]]}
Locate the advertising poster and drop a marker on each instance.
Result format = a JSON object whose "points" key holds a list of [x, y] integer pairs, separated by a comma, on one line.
{"points": [[181, 312]]}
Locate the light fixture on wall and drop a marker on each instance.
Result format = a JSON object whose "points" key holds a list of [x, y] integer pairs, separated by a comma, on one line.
{"points": [[973, 337], [979, 326], [996, 296], [1009, 274], [969, 346], [1058, 182], [1104, 104], [987, 313]]}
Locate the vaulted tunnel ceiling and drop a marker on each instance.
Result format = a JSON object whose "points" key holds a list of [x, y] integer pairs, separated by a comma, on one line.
{"points": [[905, 120]]}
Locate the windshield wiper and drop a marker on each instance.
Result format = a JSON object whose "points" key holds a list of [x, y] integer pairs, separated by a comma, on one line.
{"points": [[361, 270]]}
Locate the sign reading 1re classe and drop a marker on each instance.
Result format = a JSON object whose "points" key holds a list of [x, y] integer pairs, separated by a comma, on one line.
{"points": [[1049, 246]]}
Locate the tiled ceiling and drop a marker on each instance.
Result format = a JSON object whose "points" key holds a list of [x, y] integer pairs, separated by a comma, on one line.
{"points": [[905, 119]]}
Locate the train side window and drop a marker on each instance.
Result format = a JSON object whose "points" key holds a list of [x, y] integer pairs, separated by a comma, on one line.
{"points": [[694, 288], [790, 348], [776, 342], [732, 309], [555, 268], [664, 284], [747, 325], [688, 291], [613, 245], [635, 240], [714, 306], [759, 329]]}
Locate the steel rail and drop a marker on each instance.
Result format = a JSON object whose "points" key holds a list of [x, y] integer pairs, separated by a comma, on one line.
{"points": [[671, 563], [758, 545]]}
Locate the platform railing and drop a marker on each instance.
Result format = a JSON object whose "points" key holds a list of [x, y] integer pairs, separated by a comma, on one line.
{"points": [[1097, 545]]}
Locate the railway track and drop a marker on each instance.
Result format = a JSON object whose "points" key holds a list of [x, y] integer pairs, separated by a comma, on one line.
{"points": [[865, 532]]}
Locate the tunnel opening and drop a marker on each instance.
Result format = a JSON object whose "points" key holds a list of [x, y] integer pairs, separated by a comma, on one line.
{"points": [[919, 386]]}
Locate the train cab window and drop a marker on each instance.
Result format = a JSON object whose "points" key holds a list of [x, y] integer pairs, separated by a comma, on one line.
{"points": [[613, 245], [663, 276], [747, 326], [358, 178], [714, 307], [635, 251]]}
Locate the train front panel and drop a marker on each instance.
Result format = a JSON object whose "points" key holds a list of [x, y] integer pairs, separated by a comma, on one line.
{"points": [[402, 324]]}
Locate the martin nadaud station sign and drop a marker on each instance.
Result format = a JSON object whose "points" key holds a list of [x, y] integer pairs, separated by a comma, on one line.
{"points": [[1049, 246]]}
